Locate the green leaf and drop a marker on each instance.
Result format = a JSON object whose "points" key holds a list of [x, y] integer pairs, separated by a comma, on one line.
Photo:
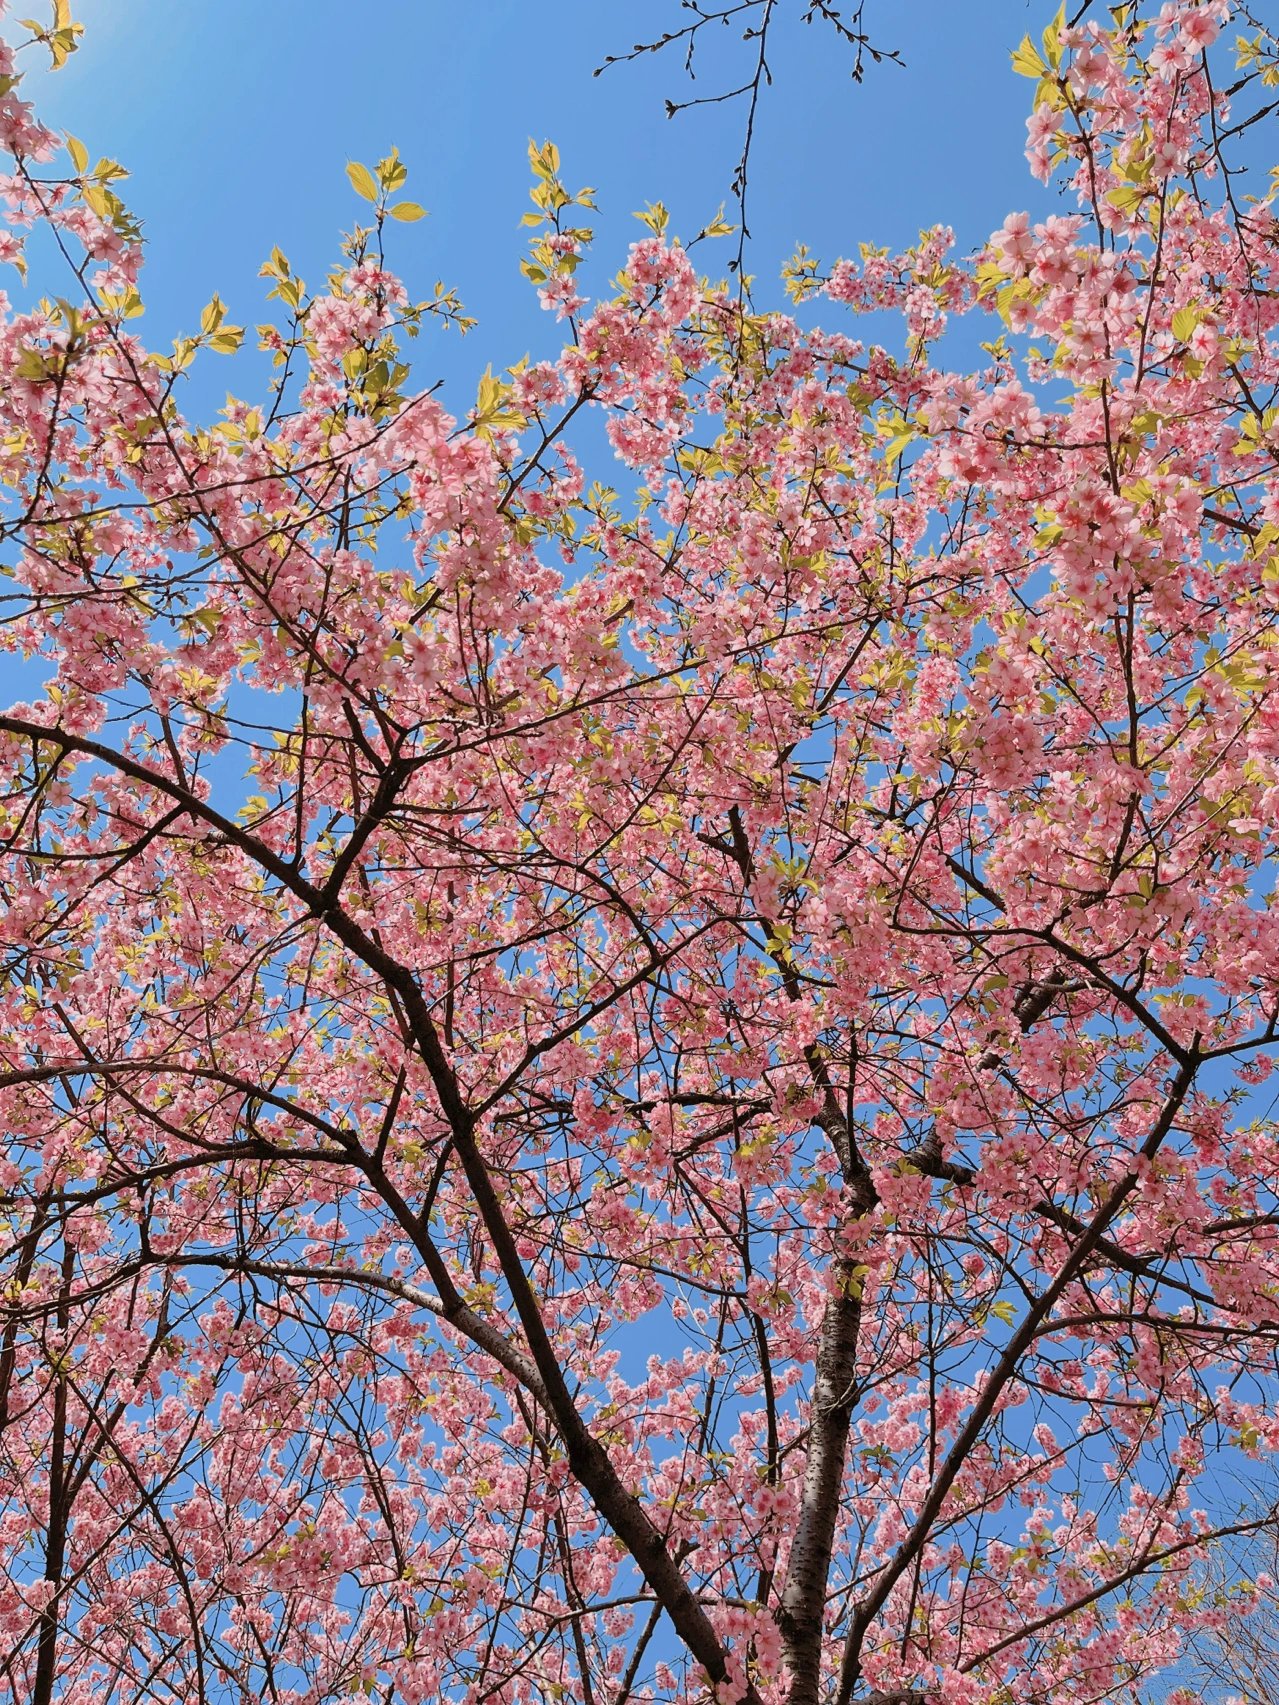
{"points": [[362, 180], [79, 155], [407, 211], [1185, 322]]}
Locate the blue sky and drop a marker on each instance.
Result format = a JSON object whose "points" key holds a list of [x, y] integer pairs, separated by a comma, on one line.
{"points": [[237, 121]]}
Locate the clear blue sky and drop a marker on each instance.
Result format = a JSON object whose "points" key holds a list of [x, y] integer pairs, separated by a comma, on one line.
{"points": [[237, 122]]}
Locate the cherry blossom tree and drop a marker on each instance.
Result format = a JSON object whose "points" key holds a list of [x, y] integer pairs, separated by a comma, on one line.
{"points": [[649, 1094], [1239, 1656]]}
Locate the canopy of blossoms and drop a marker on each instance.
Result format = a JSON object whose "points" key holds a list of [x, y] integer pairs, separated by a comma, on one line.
{"points": [[648, 1094]]}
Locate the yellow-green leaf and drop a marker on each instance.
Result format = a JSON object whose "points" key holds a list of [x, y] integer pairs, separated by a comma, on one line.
{"points": [[32, 364], [63, 38], [362, 180], [719, 226], [545, 160], [655, 217], [1026, 60], [407, 211], [79, 155], [392, 171], [1127, 198], [1052, 47]]}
